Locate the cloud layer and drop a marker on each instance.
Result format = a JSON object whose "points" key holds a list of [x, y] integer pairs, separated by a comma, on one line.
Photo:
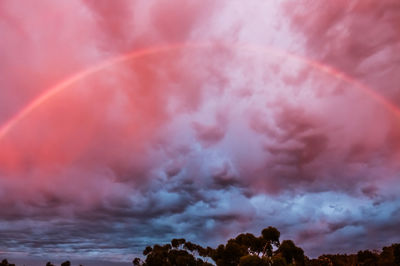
{"points": [[204, 142]]}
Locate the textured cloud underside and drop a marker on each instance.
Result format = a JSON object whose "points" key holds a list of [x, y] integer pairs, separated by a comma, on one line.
{"points": [[205, 142]]}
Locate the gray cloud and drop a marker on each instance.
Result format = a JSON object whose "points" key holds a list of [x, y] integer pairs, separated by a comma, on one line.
{"points": [[197, 143]]}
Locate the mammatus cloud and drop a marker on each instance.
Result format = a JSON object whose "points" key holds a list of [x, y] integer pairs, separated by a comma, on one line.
{"points": [[204, 142]]}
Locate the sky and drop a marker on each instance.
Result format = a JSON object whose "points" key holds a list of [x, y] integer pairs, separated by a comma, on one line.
{"points": [[128, 123]]}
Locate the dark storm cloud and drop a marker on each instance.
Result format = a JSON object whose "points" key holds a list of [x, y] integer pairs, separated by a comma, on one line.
{"points": [[197, 144], [154, 217]]}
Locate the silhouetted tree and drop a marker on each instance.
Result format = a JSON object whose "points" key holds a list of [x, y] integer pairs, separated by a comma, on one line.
{"points": [[270, 235], [4, 262], [177, 242], [386, 257], [147, 250], [247, 249], [66, 263], [337, 260], [49, 264], [254, 244], [396, 254], [278, 260], [174, 254], [137, 261], [366, 257], [252, 260], [230, 254], [291, 252]]}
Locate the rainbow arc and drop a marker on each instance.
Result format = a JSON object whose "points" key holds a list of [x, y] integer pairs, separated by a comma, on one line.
{"points": [[155, 50]]}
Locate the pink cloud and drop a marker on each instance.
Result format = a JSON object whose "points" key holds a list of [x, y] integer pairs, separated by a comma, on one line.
{"points": [[204, 133]]}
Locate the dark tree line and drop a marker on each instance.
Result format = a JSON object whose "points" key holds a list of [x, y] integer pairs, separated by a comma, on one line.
{"points": [[6, 263], [249, 250], [264, 250]]}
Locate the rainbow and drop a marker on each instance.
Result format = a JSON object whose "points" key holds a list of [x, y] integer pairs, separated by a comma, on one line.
{"points": [[64, 84]]}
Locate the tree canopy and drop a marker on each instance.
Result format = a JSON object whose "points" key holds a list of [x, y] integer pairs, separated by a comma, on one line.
{"points": [[247, 249], [265, 250]]}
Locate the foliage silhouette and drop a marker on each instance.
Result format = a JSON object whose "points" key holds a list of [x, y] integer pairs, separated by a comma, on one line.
{"points": [[5, 263], [264, 250], [249, 250]]}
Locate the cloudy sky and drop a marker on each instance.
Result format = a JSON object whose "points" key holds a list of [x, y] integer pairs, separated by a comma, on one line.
{"points": [[128, 123]]}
